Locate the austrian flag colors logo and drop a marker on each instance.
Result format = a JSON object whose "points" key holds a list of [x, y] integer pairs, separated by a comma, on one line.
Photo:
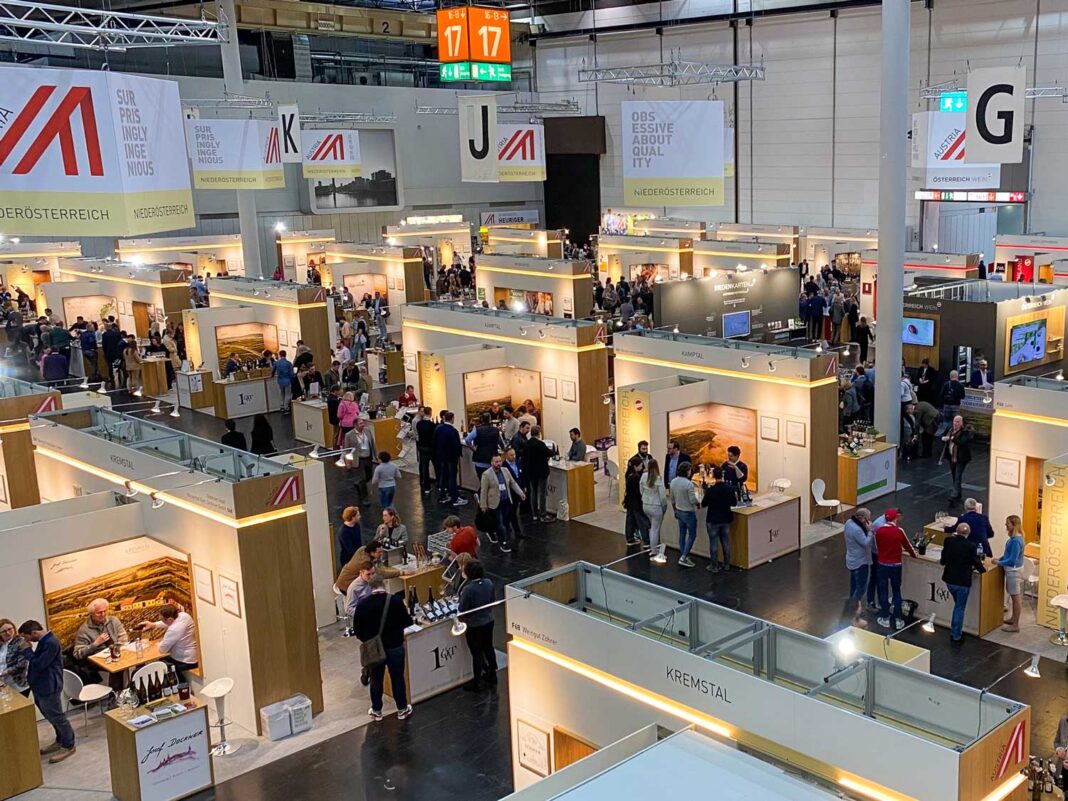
{"points": [[1014, 749], [331, 154], [288, 492], [47, 405]]}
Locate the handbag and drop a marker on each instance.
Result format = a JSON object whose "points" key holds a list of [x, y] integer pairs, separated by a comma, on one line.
{"points": [[485, 520], [373, 651]]}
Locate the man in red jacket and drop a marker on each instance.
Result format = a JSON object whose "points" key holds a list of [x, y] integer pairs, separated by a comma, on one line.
{"points": [[891, 542]]}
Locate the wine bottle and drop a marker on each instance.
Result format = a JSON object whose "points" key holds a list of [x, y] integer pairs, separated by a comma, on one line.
{"points": [[1047, 785], [142, 693], [157, 689], [168, 688]]}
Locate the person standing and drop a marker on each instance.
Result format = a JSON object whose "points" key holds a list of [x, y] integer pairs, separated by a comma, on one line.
{"points": [[675, 457], [957, 451], [536, 455], [447, 451], [179, 643], [654, 505], [864, 337], [636, 525], [1011, 562], [719, 500], [477, 591], [283, 373], [131, 360], [960, 559], [979, 525], [262, 436], [385, 478], [684, 501], [926, 381], [891, 542], [424, 446], [233, 438], [362, 454], [858, 540], [45, 680], [498, 491], [112, 343], [382, 615], [347, 412], [349, 535], [952, 395], [485, 440]]}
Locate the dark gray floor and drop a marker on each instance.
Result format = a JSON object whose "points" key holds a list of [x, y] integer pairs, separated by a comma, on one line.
{"points": [[456, 745]]}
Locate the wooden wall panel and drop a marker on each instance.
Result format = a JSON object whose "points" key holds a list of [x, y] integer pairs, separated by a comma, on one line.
{"points": [[979, 765], [914, 354], [175, 300], [21, 471], [822, 445], [317, 333], [593, 383]]}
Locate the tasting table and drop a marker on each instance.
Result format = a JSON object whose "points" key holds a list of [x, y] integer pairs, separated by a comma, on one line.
{"points": [[128, 659], [18, 744]]}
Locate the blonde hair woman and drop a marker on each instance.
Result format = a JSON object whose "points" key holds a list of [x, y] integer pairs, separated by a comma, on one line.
{"points": [[1011, 562]]}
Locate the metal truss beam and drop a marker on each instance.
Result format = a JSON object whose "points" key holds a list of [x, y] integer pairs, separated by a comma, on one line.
{"points": [[346, 116], [934, 92], [674, 73], [559, 107], [43, 24]]}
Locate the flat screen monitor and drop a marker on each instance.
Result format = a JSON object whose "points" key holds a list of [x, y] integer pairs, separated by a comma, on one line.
{"points": [[917, 331], [736, 324], [1027, 342]]}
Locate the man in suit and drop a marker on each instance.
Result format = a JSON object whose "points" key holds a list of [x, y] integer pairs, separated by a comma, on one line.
{"points": [[926, 382], [957, 451], [46, 682], [979, 529], [981, 378], [672, 460]]}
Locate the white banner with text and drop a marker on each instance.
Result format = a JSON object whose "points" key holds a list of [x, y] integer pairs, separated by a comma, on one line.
{"points": [[478, 138], [331, 154], [235, 154]]}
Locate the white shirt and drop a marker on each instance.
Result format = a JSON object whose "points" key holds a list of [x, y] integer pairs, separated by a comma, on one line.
{"points": [[180, 640], [344, 355], [906, 390]]}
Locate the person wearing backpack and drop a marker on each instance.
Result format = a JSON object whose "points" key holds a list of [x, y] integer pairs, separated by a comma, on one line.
{"points": [[379, 621]]}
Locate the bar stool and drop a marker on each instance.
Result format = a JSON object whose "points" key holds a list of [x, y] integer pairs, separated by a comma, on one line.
{"points": [[340, 613], [218, 690], [1061, 602]]}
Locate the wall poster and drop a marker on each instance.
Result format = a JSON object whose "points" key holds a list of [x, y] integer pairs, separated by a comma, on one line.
{"points": [[706, 431], [360, 284], [91, 308], [432, 381], [520, 300], [532, 745], [507, 386], [377, 188], [248, 340]]}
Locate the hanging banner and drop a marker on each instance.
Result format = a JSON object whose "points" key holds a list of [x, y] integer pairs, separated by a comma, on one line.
{"points": [[331, 154], [521, 152], [85, 153], [728, 152], [673, 153], [478, 136], [235, 154], [289, 133], [995, 115], [938, 147]]}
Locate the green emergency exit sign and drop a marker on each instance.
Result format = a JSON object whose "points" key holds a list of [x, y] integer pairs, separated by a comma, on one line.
{"points": [[475, 71]]}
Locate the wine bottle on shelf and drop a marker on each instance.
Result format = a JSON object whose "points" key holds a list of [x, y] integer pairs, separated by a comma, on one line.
{"points": [[142, 693], [1047, 784]]}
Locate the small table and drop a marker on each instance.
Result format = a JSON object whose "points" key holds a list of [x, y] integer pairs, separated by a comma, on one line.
{"points": [[573, 481], [869, 475], [422, 579], [128, 659], [18, 744], [311, 422], [154, 376], [194, 389]]}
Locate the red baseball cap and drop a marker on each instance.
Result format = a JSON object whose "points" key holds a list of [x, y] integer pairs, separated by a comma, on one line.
{"points": [[892, 515]]}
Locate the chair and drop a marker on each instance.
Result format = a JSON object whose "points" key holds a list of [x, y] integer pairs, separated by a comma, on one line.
{"points": [[780, 485], [77, 691], [613, 477], [341, 614], [612, 455], [819, 486], [1029, 578], [1061, 602], [218, 690], [150, 671]]}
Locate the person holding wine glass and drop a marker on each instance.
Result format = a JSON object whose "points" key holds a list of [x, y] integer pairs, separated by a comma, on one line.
{"points": [[179, 643]]}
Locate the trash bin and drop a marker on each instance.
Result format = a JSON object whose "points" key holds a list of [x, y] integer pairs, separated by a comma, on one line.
{"points": [[300, 713], [275, 721]]}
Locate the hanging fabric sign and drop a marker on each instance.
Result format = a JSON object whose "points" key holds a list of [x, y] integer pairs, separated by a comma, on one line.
{"points": [[331, 154], [235, 154], [478, 138], [521, 152]]}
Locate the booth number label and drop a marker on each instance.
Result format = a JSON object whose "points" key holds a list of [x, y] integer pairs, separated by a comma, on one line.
{"points": [[939, 594]]}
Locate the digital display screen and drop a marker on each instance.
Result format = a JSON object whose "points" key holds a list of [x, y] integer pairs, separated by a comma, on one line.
{"points": [[736, 324], [917, 331], [1027, 343]]}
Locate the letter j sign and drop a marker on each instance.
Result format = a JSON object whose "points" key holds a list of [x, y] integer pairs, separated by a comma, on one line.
{"points": [[995, 115]]}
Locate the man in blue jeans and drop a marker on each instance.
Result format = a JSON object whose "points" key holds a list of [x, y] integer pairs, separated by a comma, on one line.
{"points": [[960, 558], [859, 536], [46, 683], [684, 501], [383, 615], [718, 499], [891, 542]]}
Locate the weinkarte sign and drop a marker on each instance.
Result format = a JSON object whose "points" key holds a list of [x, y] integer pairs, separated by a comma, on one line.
{"points": [[91, 153]]}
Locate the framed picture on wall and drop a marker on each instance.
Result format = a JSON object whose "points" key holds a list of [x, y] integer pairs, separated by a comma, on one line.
{"points": [[532, 744], [1007, 471], [282, 338], [567, 391], [391, 283], [769, 428], [548, 387], [229, 595], [203, 584], [795, 433], [400, 284]]}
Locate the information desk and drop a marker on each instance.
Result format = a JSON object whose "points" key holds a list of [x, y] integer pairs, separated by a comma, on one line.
{"points": [[391, 361], [573, 481], [768, 529], [18, 744], [194, 389], [921, 581], [245, 398], [154, 376], [867, 476], [434, 661], [161, 761], [311, 422]]}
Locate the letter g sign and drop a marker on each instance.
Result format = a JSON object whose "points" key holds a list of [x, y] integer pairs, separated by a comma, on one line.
{"points": [[995, 130]]}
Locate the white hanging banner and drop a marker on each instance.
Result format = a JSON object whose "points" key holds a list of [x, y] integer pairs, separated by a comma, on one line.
{"points": [[728, 152], [478, 138], [996, 115], [331, 154], [289, 133], [235, 154], [87, 153], [939, 146], [673, 153], [521, 152]]}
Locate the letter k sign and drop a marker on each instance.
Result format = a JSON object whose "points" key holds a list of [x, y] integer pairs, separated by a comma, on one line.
{"points": [[289, 128]]}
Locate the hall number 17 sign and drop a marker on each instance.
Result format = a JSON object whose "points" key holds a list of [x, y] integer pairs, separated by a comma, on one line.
{"points": [[474, 44]]}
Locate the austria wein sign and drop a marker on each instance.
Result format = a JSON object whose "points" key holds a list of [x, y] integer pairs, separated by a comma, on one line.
{"points": [[90, 153]]}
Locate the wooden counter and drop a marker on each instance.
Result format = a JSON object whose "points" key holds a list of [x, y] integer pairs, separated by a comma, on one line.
{"points": [[393, 363], [386, 429], [311, 422], [194, 389], [571, 480], [18, 744], [154, 376], [244, 398], [867, 476], [921, 581], [435, 661], [163, 761]]}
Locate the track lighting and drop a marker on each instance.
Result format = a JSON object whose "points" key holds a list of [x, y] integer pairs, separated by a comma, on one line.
{"points": [[745, 362], [130, 491], [157, 502]]}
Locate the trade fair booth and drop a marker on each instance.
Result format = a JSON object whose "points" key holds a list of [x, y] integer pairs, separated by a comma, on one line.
{"points": [[1043, 259], [652, 257], [779, 405], [396, 273], [31, 263], [439, 238], [214, 255], [526, 242], [713, 257], [299, 250], [755, 304], [819, 246], [670, 226], [568, 357], [774, 234], [223, 531], [552, 287], [596, 654], [949, 266]]}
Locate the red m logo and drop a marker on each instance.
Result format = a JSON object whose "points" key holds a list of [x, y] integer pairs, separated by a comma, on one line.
{"points": [[520, 143], [332, 147], [78, 98], [274, 151]]}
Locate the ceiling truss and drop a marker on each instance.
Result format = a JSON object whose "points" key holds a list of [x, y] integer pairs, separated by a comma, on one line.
{"points": [[934, 91], [674, 73]]}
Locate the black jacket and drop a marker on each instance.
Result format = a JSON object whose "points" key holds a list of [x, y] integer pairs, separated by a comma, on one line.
{"points": [[963, 441], [536, 459], [960, 559], [952, 393], [447, 444], [113, 344], [424, 434], [487, 443], [719, 498], [683, 457], [234, 439], [368, 618], [632, 494]]}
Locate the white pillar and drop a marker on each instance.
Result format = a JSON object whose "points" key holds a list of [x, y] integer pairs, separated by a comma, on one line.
{"points": [[246, 199], [893, 121]]}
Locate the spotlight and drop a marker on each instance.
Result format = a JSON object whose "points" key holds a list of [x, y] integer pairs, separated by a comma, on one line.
{"points": [[819, 347], [771, 367], [606, 399], [340, 459], [522, 331], [549, 267], [1050, 480], [845, 352], [1031, 671], [156, 501], [745, 362], [279, 227], [675, 330], [987, 398], [130, 491], [84, 384], [156, 408], [458, 626], [1059, 376], [846, 646], [314, 453], [928, 624], [541, 333]]}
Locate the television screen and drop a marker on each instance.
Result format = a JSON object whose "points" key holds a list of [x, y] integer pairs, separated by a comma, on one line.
{"points": [[1027, 342], [736, 324], [917, 331]]}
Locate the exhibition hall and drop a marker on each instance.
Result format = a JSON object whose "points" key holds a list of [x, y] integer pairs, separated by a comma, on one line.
{"points": [[542, 401]]}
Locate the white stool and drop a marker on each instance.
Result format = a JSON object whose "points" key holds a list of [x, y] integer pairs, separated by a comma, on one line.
{"points": [[340, 613], [219, 689], [1061, 602]]}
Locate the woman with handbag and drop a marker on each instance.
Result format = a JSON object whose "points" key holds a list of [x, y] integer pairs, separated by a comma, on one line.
{"points": [[379, 621]]}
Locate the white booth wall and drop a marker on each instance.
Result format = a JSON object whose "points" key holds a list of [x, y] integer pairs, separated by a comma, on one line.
{"points": [[125, 294], [568, 282], [335, 273]]}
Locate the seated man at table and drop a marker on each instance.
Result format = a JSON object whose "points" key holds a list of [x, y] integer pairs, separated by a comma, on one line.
{"points": [[179, 643], [97, 634]]}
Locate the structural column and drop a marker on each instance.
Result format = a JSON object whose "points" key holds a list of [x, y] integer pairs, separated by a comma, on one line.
{"points": [[233, 83], [893, 122]]}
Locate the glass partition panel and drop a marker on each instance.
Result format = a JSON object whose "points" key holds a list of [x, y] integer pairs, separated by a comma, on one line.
{"points": [[14, 387], [169, 448], [802, 660], [626, 600]]}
